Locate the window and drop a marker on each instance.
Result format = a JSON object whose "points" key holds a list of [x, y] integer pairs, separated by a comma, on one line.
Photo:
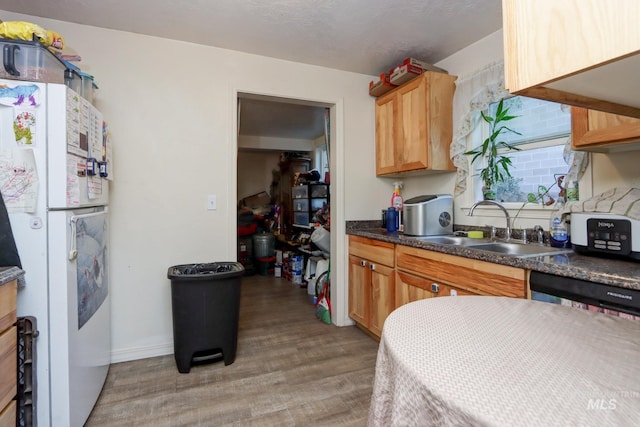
{"points": [[320, 160], [545, 128]]}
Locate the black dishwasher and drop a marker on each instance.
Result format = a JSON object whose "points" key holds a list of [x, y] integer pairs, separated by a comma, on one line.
{"points": [[623, 302]]}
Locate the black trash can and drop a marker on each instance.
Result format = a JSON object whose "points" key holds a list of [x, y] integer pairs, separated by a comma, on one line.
{"points": [[205, 302]]}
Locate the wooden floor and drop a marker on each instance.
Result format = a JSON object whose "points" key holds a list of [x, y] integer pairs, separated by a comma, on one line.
{"points": [[290, 370]]}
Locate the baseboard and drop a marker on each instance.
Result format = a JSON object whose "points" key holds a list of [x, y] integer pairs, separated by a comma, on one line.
{"points": [[135, 353]]}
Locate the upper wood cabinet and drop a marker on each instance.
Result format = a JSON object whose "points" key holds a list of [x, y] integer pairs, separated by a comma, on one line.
{"points": [[603, 132], [578, 52], [414, 126]]}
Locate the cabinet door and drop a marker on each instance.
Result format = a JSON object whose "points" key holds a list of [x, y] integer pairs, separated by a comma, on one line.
{"points": [[386, 155], [8, 370], [414, 126], [593, 130], [481, 277], [382, 296], [589, 58], [413, 130], [359, 290], [410, 288]]}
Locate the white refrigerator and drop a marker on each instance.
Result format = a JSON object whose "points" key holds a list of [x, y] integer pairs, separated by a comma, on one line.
{"points": [[55, 167]]}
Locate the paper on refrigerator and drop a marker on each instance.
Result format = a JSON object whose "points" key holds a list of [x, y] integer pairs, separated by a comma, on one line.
{"points": [[18, 179]]}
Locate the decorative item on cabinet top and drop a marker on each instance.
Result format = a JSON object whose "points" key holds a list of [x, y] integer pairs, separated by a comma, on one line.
{"points": [[402, 73]]}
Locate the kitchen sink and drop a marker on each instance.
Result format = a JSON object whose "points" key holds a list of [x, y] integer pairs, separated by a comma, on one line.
{"points": [[452, 240], [519, 249], [511, 248]]}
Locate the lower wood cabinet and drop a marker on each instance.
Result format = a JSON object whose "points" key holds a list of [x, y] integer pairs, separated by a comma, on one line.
{"points": [[412, 287], [384, 276], [8, 353], [443, 274], [371, 282]]}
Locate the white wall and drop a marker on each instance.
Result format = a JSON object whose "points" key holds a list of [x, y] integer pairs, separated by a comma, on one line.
{"points": [[255, 172], [171, 109]]}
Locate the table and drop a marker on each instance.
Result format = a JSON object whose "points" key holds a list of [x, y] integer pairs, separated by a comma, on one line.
{"points": [[497, 361]]}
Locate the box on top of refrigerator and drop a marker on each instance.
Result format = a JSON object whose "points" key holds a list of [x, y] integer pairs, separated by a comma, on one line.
{"points": [[30, 61]]}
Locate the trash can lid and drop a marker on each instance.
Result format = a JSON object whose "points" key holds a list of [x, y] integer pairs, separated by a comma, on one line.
{"points": [[206, 271]]}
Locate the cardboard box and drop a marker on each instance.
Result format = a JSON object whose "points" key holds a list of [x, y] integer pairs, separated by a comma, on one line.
{"points": [[382, 86], [404, 73], [424, 65]]}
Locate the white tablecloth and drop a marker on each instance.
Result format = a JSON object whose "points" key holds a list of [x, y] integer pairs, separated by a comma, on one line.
{"points": [[461, 361]]}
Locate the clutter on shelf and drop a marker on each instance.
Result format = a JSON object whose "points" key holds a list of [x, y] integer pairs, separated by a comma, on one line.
{"points": [[400, 74], [33, 53]]}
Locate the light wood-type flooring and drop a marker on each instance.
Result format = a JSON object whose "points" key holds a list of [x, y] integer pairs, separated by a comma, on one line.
{"points": [[290, 370]]}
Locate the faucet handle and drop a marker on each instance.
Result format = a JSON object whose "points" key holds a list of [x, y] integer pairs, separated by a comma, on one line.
{"points": [[493, 231], [540, 231]]}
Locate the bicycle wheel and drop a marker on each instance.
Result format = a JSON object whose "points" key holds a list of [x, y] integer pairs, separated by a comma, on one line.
{"points": [[324, 277]]}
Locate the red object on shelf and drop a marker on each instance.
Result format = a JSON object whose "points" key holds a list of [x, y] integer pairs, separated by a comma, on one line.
{"points": [[382, 86], [246, 230]]}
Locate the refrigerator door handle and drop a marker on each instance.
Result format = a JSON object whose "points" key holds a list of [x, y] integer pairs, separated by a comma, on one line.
{"points": [[73, 253]]}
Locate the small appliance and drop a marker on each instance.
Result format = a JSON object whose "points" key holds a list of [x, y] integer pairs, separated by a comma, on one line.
{"points": [[428, 215], [605, 235]]}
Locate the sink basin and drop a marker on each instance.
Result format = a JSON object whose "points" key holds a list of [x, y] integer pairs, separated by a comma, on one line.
{"points": [[519, 249], [451, 240]]}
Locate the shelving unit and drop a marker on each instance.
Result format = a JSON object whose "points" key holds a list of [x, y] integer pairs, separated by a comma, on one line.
{"points": [[306, 200]]}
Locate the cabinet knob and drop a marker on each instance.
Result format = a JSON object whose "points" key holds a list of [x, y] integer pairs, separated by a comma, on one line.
{"points": [[372, 267], [435, 288], [363, 263]]}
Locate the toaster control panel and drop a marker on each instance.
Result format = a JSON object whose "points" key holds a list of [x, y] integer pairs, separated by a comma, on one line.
{"points": [[609, 235]]}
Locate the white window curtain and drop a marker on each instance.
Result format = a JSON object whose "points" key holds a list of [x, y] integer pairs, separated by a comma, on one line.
{"points": [[473, 94]]}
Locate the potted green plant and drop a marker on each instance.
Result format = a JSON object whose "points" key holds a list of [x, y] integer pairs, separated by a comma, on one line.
{"points": [[491, 151]]}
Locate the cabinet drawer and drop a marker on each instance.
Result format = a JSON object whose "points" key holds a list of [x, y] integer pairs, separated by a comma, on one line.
{"points": [[300, 192], [466, 273], [300, 205], [8, 293], [372, 250], [301, 218], [8, 416], [8, 365], [318, 204], [319, 190]]}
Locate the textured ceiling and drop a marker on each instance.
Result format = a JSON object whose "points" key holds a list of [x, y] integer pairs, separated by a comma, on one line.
{"points": [[362, 36]]}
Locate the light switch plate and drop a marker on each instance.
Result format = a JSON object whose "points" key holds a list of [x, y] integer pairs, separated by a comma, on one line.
{"points": [[211, 202]]}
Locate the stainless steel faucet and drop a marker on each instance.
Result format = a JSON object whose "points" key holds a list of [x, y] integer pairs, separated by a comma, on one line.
{"points": [[507, 231], [538, 229]]}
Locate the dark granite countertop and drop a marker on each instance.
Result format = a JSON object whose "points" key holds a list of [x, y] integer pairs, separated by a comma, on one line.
{"points": [[625, 274], [7, 274]]}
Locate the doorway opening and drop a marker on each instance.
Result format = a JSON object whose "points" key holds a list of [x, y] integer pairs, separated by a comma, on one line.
{"points": [[283, 187]]}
